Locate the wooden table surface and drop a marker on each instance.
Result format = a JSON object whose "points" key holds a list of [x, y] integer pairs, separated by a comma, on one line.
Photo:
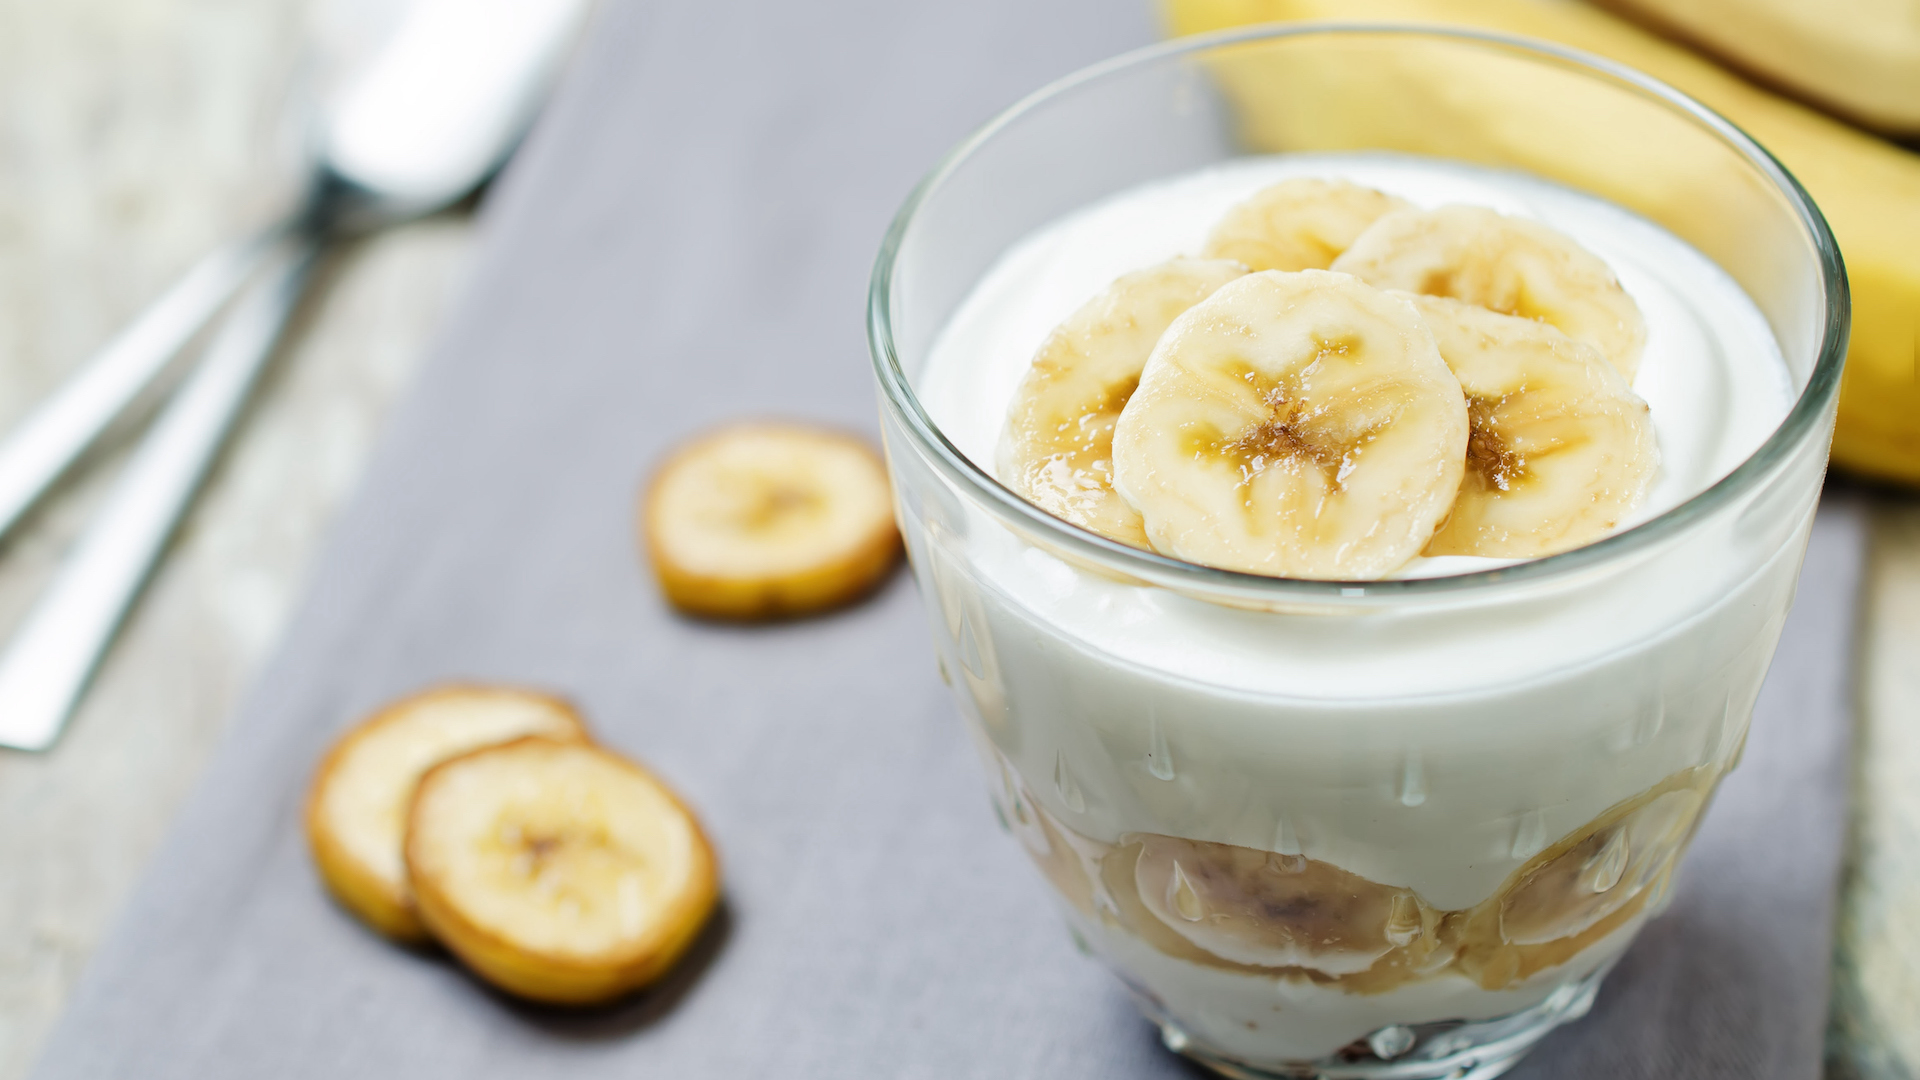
{"points": [[137, 134]]}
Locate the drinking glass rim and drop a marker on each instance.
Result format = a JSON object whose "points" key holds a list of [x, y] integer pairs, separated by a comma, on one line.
{"points": [[1801, 420]]}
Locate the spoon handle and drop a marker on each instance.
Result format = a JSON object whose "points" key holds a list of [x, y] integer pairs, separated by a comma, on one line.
{"points": [[59, 430], [58, 645]]}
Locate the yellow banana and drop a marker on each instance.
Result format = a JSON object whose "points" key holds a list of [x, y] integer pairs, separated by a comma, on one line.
{"points": [[1559, 450], [769, 520], [1868, 189], [1294, 424]]}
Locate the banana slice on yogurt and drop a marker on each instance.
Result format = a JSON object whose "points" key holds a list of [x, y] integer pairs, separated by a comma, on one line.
{"points": [[1296, 425], [1299, 224], [1559, 451], [558, 871], [1506, 264], [1057, 449]]}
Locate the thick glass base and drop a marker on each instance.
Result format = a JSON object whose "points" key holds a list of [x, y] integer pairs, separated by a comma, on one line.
{"points": [[1449, 1050]]}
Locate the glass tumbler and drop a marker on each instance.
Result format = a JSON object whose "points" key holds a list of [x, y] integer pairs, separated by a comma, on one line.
{"points": [[1421, 860]]}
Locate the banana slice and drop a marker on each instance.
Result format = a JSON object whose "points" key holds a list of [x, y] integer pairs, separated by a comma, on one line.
{"points": [[762, 521], [1505, 264], [1057, 449], [1297, 425], [1266, 910], [1299, 224], [558, 871], [357, 807], [1560, 449]]}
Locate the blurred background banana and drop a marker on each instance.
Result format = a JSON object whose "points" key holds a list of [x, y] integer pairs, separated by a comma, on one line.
{"points": [[1868, 188], [1857, 58]]}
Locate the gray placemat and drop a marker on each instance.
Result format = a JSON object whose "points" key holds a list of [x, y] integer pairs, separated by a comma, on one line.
{"points": [[685, 239]]}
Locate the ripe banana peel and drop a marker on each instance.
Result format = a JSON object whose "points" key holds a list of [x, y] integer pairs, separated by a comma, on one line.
{"points": [[1868, 189], [1859, 59]]}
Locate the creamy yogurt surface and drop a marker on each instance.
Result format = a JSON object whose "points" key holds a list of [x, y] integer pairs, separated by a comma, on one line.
{"points": [[1712, 375]]}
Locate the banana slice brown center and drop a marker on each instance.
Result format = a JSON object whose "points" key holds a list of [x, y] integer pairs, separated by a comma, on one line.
{"points": [[1489, 457], [1294, 424], [1297, 435], [777, 503]]}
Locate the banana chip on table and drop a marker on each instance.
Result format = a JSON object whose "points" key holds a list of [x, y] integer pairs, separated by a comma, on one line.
{"points": [[558, 871], [767, 520], [1506, 264], [357, 807], [1296, 425], [1559, 449], [1057, 450], [1299, 224]]}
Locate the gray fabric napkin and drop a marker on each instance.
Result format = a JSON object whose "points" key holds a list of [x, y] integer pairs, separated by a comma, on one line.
{"points": [[685, 239]]}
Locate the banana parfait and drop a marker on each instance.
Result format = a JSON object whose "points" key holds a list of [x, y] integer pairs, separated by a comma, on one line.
{"points": [[1314, 839]]}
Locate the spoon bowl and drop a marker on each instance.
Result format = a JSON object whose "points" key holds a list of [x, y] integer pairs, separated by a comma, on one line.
{"points": [[438, 109]]}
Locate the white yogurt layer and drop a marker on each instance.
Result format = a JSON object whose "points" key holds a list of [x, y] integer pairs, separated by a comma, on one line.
{"points": [[1436, 747], [1712, 375]]}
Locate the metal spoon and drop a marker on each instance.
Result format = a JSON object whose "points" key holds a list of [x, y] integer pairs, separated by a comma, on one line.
{"points": [[433, 116]]}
